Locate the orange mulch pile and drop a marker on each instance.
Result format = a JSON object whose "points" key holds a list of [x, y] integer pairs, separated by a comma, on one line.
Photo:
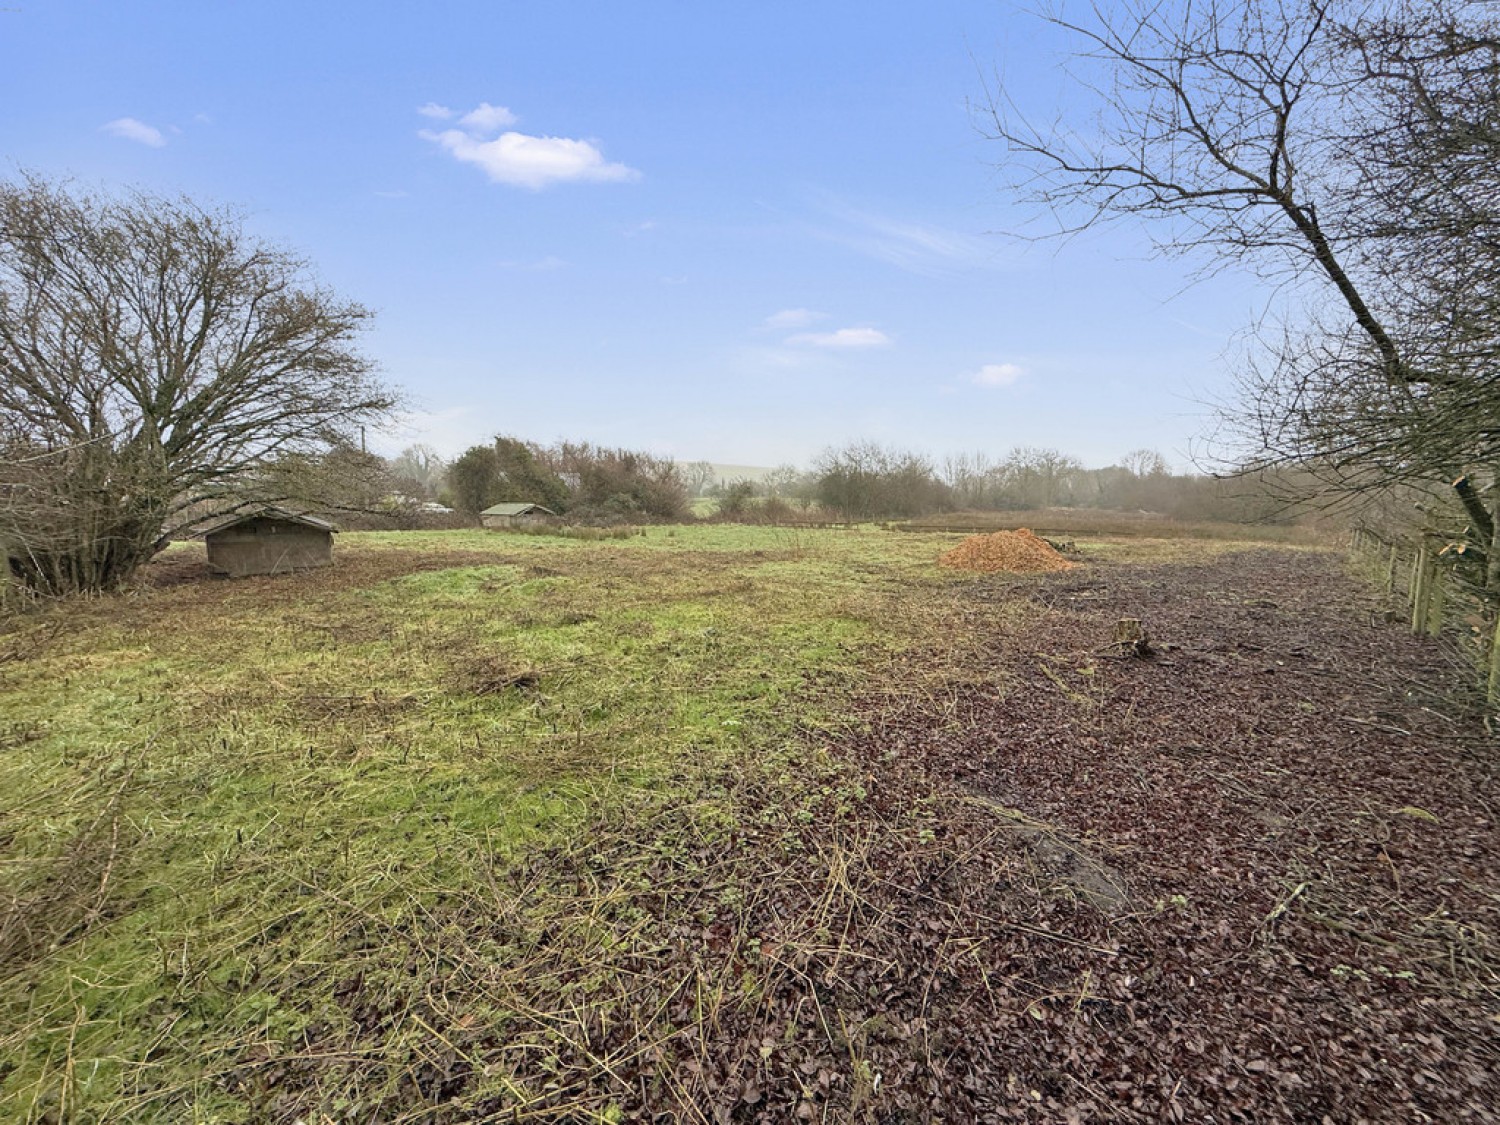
{"points": [[1021, 552]]}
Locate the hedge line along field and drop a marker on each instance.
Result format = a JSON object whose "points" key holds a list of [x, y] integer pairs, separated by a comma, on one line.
{"points": [[710, 823]]}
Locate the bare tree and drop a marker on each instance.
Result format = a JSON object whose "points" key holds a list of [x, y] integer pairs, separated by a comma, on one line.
{"points": [[1346, 150], [153, 358], [864, 480], [344, 482], [783, 480], [617, 483], [971, 477], [1144, 463], [419, 468], [697, 476], [1425, 190], [1040, 478]]}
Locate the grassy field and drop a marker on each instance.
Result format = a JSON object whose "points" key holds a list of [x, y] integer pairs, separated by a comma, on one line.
{"points": [[267, 843], [216, 794]]}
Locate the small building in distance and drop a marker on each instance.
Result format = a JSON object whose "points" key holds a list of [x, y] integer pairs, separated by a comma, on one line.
{"points": [[268, 541], [511, 515]]}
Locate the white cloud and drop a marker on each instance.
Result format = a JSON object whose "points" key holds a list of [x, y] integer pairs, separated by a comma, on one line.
{"points": [[435, 111], [997, 374], [788, 319], [130, 129], [522, 160], [486, 118], [842, 338]]}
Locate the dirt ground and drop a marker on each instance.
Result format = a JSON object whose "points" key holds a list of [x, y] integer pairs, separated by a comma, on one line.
{"points": [[1252, 876]]}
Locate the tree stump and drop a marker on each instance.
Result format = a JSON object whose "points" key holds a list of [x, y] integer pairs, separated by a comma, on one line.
{"points": [[1131, 637]]}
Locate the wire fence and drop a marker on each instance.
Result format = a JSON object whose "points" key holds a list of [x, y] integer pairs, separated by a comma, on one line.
{"points": [[1440, 601]]}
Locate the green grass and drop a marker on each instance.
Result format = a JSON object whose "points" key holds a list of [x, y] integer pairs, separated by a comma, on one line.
{"points": [[220, 801]]}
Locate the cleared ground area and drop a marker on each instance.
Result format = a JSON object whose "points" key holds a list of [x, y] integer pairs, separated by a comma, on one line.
{"points": [[1252, 877], [743, 825]]}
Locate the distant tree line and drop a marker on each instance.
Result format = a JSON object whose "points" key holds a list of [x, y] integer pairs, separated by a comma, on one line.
{"points": [[864, 480], [578, 479], [858, 481]]}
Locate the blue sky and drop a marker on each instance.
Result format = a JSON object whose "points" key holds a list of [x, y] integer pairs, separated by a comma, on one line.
{"points": [[738, 233]]}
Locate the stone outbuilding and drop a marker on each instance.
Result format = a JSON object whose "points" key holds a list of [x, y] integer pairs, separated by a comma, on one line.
{"points": [[268, 541], [512, 515]]}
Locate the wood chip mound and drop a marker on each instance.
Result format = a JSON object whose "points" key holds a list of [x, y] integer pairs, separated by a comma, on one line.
{"points": [[1019, 552]]}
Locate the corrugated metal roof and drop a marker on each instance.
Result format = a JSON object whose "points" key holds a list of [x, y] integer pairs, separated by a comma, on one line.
{"points": [[516, 510], [268, 512]]}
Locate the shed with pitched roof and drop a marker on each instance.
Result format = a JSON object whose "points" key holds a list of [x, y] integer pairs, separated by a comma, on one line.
{"points": [[268, 541], [510, 514]]}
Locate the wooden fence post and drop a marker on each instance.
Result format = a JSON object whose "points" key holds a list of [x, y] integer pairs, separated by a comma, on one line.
{"points": [[1436, 600], [1390, 573], [1421, 578], [1494, 684]]}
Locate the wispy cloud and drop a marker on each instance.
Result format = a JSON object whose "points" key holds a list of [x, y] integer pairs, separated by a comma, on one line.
{"points": [[435, 111], [788, 319], [921, 248], [128, 128], [523, 160], [843, 338], [997, 375]]}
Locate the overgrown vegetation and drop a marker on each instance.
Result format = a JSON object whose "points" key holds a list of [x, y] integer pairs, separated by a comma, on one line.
{"points": [[859, 481]]}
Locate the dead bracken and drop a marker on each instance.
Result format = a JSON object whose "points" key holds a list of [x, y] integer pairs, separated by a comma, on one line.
{"points": [[1017, 552]]}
